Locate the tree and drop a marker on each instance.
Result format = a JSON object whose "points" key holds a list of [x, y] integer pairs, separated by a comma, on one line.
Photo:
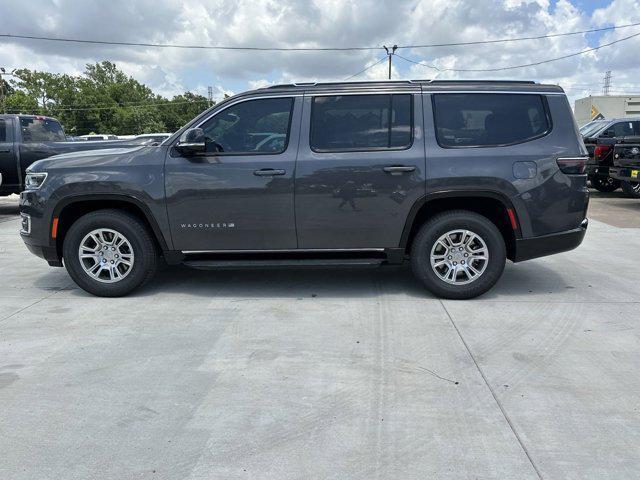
{"points": [[181, 108], [101, 100]]}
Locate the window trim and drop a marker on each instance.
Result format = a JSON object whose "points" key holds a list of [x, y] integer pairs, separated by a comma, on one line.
{"points": [[545, 106], [366, 149], [291, 98]]}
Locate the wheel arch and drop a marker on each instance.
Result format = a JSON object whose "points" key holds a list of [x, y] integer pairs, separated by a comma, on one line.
{"points": [[70, 209], [492, 205]]}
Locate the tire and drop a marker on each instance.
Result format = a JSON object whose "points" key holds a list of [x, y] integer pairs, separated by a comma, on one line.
{"points": [[136, 260], [604, 184], [631, 189], [427, 240]]}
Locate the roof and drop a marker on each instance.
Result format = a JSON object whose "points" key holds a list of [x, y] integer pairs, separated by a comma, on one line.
{"points": [[13, 115], [431, 85]]}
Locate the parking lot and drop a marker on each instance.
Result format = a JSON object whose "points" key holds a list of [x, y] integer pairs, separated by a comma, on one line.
{"points": [[329, 373]]}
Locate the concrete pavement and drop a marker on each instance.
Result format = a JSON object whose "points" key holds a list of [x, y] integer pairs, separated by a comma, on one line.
{"points": [[332, 374]]}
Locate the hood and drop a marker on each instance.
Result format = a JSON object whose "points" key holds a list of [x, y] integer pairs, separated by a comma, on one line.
{"points": [[93, 158]]}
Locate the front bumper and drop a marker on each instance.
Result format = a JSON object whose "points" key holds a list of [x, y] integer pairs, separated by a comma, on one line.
{"points": [[37, 238], [534, 247], [50, 254], [625, 174], [597, 170]]}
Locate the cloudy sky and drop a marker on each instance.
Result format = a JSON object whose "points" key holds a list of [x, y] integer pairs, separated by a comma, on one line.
{"points": [[324, 23]]}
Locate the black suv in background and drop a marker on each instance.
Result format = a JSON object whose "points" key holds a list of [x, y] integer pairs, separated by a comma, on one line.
{"points": [[453, 176], [600, 136]]}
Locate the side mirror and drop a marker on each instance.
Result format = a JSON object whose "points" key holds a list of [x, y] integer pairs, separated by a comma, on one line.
{"points": [[608, 134], [192, 142]]}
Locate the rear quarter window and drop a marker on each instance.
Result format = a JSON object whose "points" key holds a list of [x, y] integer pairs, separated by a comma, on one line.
{"points": [[489, 119]]}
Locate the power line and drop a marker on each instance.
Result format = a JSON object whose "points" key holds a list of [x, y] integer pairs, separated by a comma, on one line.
{"points": [[518, 39], [513, 67], [382, 59], [307, 49], [199, 47]]}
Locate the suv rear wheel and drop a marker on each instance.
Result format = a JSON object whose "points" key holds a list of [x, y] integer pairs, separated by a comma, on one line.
{"points": [[458, 254], [631, 189], [604, 184], [109, 253]]}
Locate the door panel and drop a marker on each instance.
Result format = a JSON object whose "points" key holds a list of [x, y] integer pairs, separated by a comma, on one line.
{"points": [[356, 199], [227, 201], [8, 162]]}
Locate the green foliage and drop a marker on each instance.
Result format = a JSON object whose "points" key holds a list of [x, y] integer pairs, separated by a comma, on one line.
{"points": [[101, 100]]}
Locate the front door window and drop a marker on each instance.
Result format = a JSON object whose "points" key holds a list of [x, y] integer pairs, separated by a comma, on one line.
{"points": [[250, 128]]}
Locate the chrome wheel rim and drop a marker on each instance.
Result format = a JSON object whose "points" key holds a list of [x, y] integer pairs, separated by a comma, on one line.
{"points": [[459, 257], [106, 255]]}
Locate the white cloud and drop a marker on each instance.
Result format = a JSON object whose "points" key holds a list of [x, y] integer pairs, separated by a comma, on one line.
{"points": [[319, 23]]}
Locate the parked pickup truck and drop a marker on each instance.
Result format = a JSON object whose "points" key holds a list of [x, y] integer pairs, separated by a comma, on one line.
{"points": [[27, 138], [626, 165], [600, 137]]}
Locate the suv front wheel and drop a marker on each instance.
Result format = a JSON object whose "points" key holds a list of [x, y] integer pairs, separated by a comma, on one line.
{"points": [[458, 254], [109, 253]]}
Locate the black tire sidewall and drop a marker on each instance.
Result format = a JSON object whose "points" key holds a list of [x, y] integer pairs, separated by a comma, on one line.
{"points": [[439, 225], [627, 188], [143, 249]]}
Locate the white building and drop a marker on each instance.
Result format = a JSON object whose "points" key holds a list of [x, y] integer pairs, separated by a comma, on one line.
{"points": [[606, 106]]}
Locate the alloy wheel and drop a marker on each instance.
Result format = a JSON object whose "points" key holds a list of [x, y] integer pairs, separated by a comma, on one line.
{"points": [[459, 257], [106, 255]]}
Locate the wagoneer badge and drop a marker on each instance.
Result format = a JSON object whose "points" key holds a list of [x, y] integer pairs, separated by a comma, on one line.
{"points": [[208, 226]]}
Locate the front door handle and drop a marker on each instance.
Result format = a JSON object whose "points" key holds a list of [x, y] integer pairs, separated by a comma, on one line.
{"points": [[398, 169], [268, 172]]}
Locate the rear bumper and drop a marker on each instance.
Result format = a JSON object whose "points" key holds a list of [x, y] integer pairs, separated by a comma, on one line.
{"points": [[534, 247], [624, 173]]}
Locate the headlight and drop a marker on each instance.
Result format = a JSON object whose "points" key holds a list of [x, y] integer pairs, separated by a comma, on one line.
{"points": [[33, 181]]}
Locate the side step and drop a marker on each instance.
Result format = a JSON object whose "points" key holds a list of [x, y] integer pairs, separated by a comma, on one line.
{"points": [[284, 263]]}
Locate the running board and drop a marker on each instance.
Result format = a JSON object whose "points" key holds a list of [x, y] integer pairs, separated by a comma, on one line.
{"points": [[284, 263]]}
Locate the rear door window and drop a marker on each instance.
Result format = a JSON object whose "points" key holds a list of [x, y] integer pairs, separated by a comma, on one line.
{"points": [[41, 129], [343, 123], [489, 119]]}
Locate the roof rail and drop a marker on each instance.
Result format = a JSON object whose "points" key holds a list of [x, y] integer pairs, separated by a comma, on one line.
{"points": [[403, 82]]}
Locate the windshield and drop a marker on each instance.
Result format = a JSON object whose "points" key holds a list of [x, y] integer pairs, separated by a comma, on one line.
{"points": [[41, 129], [592, 127]]}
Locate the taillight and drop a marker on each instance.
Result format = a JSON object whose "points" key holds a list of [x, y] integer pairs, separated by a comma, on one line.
{"points": [[572, 165], [601, 150]]}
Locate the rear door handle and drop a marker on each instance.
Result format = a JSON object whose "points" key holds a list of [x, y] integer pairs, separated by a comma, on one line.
{"points": [[398, 169], [268, 172]]}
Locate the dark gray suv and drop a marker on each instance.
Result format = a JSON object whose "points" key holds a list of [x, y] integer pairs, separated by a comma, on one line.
{"points": [[453, 176]]}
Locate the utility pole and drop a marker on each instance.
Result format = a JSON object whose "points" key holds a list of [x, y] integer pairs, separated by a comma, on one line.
{"points": [[2, 72], [607, 83], [390, 51], [210, 94]]}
